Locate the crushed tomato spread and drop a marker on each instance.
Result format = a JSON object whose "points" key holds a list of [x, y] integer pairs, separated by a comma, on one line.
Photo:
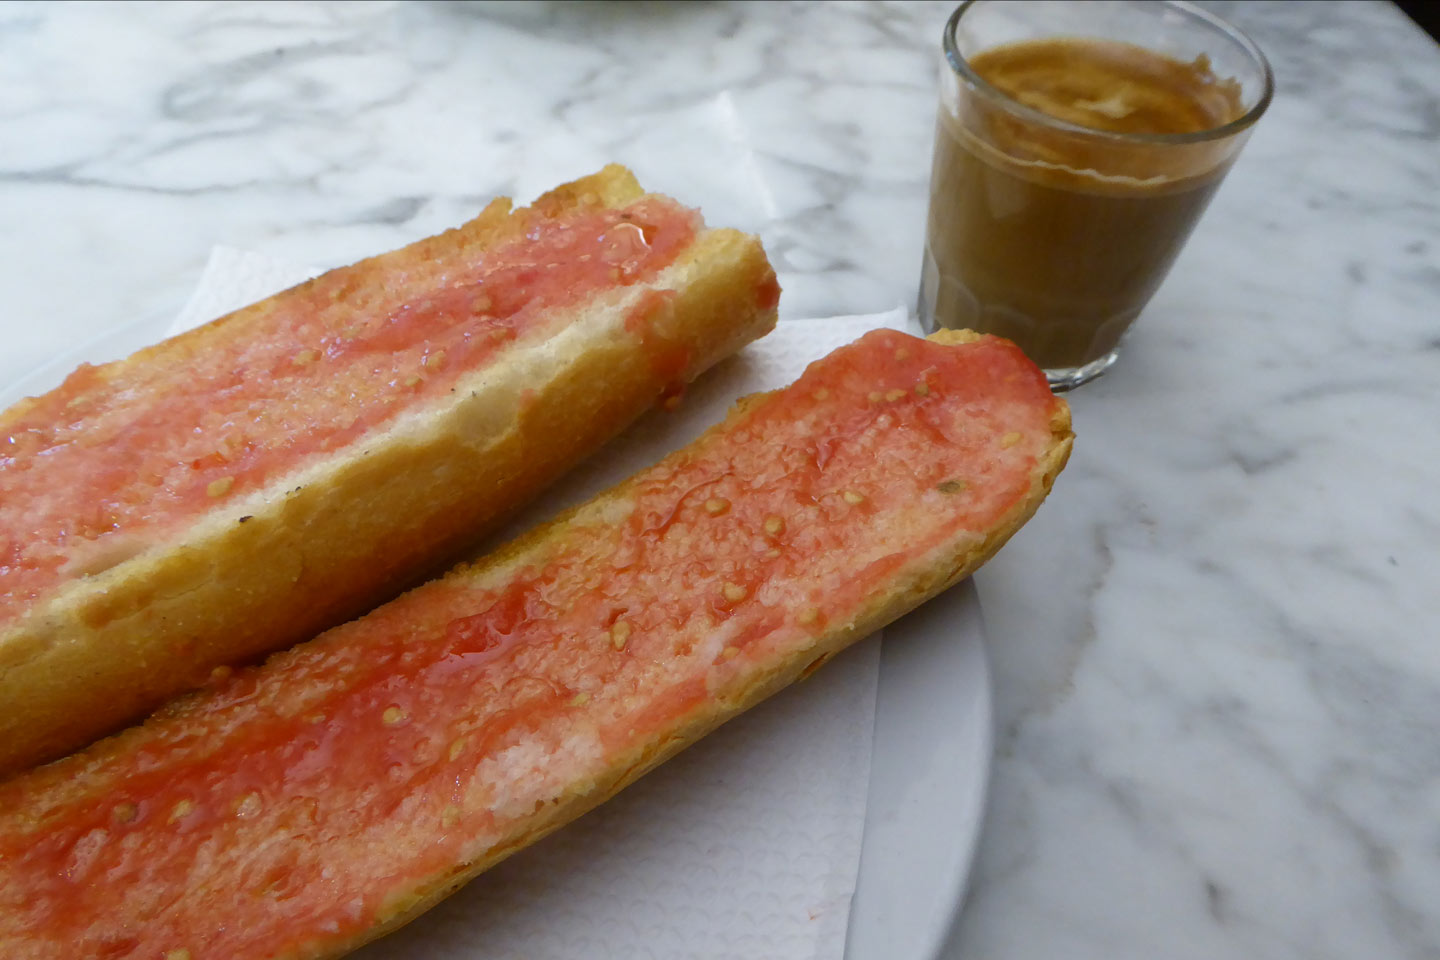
{"points": [[306, 800], [120, 455]]}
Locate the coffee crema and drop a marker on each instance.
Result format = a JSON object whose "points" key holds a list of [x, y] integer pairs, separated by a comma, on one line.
{"points": [[1111, 86], [1056, 235]]}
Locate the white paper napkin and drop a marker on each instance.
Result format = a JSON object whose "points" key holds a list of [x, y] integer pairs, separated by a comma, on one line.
{"points": [[747, 845]]}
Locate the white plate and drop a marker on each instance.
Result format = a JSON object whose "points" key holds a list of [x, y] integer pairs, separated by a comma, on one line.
{"points": [[932, 748], [928, 778]]}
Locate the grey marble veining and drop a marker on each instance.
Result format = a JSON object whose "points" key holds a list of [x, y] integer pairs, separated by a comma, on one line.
{"points": [[1220, 714], [1217, 647]]}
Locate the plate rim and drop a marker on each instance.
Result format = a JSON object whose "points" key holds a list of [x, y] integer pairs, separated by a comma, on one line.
{"points": [[117, 342], [962, 600], [51, 373]]}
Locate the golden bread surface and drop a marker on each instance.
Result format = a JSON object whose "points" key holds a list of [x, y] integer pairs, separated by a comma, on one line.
{"points": [[327, 797], [343, 529]]}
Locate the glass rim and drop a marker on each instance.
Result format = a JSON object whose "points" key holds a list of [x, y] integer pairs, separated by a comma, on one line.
{"points": [[961, 66]]}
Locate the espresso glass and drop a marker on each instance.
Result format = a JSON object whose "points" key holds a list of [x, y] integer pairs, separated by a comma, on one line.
{"points": [[1054, 233]]}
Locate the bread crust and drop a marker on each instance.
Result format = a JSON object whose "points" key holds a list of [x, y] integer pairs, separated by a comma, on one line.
{"points": [[919, 582], [323, 543], [54, 805]]}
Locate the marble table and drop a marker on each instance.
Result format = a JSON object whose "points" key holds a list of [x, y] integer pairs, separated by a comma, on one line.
{"points": [[1216, 648]]}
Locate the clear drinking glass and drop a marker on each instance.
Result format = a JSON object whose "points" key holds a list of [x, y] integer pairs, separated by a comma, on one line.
{"points": [[1077, 145]]}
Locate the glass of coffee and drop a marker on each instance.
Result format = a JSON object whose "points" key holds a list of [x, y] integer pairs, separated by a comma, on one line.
{"points": [[1078, 143]]}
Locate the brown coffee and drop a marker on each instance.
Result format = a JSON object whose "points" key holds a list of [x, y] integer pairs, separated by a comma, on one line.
{"points": [[1055, 236]]}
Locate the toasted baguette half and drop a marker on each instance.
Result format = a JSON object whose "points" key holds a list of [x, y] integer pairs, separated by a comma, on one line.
{"points": [[333, 794], [243, 486]]}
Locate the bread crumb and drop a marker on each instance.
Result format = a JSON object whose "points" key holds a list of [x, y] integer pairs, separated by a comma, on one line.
{"points": [[580, 699], [808, 616], [392, 716], [435, 360], [124, 812], [450, 816], [218, 488], [730, 653], [951, 486], [922, 389], [894, 395], [715, 506], [180, 954], [1009, 440], [181, 810], [413, 380], [734, 592], [619, 633], [774, 526], [457, 747], [853, 498], [304, 358], [876, 396], [248, 805]]}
